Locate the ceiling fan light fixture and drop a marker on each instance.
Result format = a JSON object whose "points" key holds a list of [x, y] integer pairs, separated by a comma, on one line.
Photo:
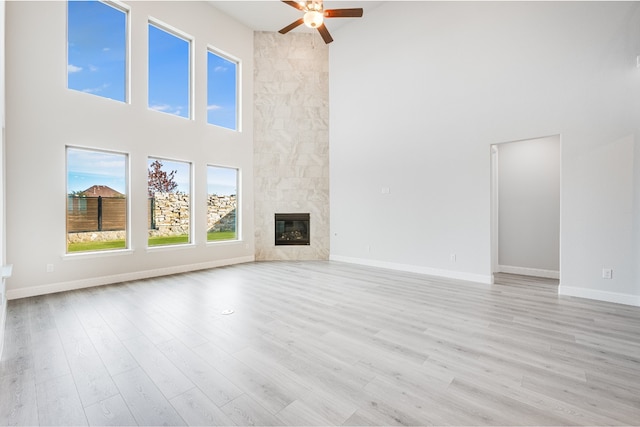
{"points": [[313, 18], [314, 14]]}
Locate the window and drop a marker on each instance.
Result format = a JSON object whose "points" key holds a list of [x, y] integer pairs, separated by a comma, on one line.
{"points": [[222, 91], [97, 49], [169, 72], [96, 200], [169, 202], [222, 203]]}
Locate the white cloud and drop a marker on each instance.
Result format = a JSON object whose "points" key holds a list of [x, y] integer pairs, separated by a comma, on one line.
{"points": [[213, 107], [106, 49], [96, 89], [160, 107], [73, 68], [168, 108], [220, 68], [93, 68]]}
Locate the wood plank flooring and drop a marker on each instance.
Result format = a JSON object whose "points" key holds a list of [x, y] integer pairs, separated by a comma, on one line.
{"points": [[319, 343]]}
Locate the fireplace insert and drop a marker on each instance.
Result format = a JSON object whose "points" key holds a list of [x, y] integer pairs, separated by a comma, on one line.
{"points": [[292, 229]]}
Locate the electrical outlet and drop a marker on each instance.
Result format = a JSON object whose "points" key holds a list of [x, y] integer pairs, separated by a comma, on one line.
{"points": [[607, 273], [367, 249], [49, 268], [452, 257]]}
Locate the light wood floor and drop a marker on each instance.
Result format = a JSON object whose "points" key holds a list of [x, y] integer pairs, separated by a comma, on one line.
{"points": [[320, 343]]}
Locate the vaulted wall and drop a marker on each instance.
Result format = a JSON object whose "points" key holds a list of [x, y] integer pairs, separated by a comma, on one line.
{"points": [[415, 108], [43, 117]]}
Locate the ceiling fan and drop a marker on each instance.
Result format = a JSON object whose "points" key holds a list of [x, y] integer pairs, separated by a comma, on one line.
{"points": [[314, 14]]}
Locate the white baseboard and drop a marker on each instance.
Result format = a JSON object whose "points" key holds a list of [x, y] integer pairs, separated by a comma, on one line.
{"points": [[616, 297], [6, 272], [117, 278], [526, 271], [450, 274], [3, 321]]}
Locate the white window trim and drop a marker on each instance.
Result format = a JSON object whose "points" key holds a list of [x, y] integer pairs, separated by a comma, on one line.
{"points": [[238, 206], [126, 9], [238, 62], [127, 173], [191, 40], [191, 242]]}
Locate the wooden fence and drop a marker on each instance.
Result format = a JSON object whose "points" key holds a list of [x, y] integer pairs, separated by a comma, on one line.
{"points": [[96, 214]]}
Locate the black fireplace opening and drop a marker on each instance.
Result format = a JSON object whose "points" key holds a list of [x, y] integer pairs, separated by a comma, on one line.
{"points": [[292, 229]]}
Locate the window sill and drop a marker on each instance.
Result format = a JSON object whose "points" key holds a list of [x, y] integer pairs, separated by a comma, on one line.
{"points": [[223, 242], [96, 254], [161, 248]]}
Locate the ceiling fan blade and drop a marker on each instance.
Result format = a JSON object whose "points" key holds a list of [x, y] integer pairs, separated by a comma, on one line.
{"points": [[291, 26], [343, 13], [325, 34], [295, 4]]}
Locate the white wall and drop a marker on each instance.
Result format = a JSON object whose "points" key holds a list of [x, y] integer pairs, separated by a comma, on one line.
{"points": [[3, 299], [636, 178], [529, 206], [420, 90], [43, 116]]}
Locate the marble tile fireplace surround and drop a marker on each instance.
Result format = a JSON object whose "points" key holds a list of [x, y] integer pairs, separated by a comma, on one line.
{"points": [[291, 142]]}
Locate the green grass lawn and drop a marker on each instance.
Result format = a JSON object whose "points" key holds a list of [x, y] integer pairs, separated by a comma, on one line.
{"points": [[170, 240], [95, 246], [153, 241], [221, 235]]}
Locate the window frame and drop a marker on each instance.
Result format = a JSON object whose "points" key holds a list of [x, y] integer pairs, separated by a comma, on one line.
{"points": [[169, 29], [190, 235], [238, 206], [127, 187], [126, 9], [238, 89]]}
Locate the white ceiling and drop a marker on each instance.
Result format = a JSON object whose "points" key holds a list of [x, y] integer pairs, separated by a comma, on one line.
{"points": [[272, 15]]}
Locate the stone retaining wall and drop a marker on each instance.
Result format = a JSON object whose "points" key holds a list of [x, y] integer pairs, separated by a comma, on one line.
{"points": [[96, 236], [221, 213], [171, 214]]}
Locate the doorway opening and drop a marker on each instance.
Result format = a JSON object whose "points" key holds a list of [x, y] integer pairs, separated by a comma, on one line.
{"points": [[525, 207]]}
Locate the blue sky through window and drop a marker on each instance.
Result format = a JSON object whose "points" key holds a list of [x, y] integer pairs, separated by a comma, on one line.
{"points": [[222, 181], [87, 168], [221, 91], [97, 64], [169, 67], [96, 58]]}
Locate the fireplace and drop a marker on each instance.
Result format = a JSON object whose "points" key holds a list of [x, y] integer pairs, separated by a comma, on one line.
{"points": [[292, 229]]}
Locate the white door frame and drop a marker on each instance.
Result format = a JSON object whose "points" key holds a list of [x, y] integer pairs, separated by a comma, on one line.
{"points": [[495, 203]]}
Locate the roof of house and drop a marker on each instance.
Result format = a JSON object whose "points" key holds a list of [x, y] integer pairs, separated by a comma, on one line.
{"points": [[101, 191]]}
